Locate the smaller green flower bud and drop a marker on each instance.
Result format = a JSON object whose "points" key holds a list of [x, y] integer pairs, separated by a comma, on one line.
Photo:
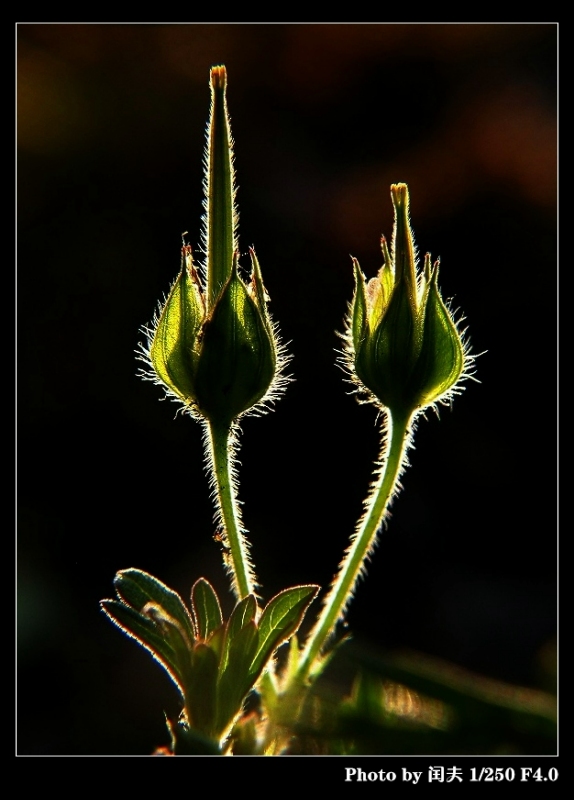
{"points": [[404, 348]]}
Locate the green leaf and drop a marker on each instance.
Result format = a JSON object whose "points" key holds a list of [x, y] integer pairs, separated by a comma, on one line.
{"points": [[201, 700], [141, 628], [217, 641], [172, 632], [137, 588], [235, 682], [242, 651], [280, 620], [243, 613], [206, 609]]}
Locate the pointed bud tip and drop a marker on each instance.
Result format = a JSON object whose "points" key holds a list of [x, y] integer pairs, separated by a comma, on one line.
{"points": [[219, 77], [400, 194], [405, 347]]}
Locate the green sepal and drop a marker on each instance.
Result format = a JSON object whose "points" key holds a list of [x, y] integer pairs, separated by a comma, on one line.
{"points": [[259, 293], [358, 308], [280, 619], [393, 346], [441, 358], [386, 278], [385, 359], [206, 609], [238, 359], [138, 588], [174, 349], [144, 630]]}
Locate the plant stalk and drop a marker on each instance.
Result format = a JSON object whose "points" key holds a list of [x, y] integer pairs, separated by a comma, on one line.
{"points": [[223, 441], [396, 433]]}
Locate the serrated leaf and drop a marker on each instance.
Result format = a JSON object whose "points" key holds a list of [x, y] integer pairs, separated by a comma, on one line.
{"points": [[137, 588], [280, 620], [141, 628], [206, 609]]}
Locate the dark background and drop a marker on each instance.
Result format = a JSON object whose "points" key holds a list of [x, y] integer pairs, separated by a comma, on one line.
{"points": [[111, 129]]}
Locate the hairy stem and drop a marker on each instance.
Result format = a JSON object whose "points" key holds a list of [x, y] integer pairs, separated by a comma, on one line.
{"points": [[393, 459], [222, 443]]}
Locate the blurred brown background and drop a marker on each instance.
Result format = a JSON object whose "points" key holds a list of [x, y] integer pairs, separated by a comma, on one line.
{"points": [[111, 127]]}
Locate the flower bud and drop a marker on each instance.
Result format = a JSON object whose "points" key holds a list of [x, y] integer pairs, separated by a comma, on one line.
{"points": [[237, 359], [403, 345], [213, 346]]}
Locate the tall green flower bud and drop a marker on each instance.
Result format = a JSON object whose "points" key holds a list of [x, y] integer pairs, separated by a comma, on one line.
{"points": [[213, 346], [403, 345]]}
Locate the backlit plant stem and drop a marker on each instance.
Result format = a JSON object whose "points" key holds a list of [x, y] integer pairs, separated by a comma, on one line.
{"points": [[396, 433], [222, 445]]}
